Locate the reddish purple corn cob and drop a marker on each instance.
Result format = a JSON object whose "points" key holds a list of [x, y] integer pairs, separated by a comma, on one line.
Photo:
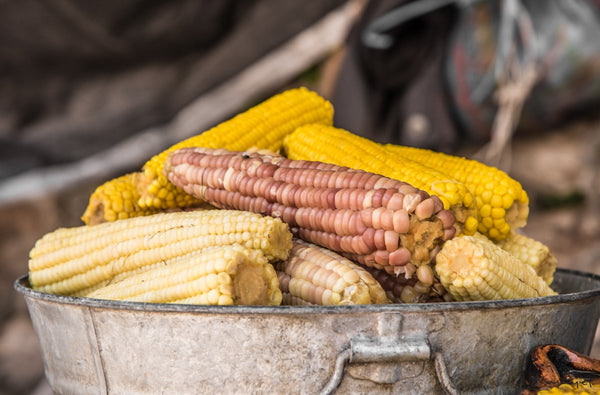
{"points": [[377, 221]]}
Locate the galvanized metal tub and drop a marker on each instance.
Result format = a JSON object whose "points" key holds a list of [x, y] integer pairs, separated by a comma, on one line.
{"points": [[97, 347]]}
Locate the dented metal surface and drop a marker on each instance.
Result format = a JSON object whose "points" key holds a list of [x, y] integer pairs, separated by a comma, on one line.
{"points": [[98, 347]]}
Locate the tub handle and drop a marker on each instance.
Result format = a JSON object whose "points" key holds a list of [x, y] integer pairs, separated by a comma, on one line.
{"points": [[387, 350]]}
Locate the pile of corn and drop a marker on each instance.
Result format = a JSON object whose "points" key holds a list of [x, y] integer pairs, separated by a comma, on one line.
{"points": [[276, 205]]}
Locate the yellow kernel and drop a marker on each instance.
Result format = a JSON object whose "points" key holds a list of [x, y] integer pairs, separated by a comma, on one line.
{"points": [[478, 201], [486, 196], [498, 213], [117, 204], [485, 211], [451, 187], [162, 193], [468, 200], [153, 188], [499, 223], [507, 201], [471, 225], [110, 215], [500, 190], [128, 206], [487, 222], [496, 201], [452, 197], [494, 234]]}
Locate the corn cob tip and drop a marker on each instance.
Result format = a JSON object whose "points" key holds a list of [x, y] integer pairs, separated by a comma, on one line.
{"points": [[115, 199], [474, 268]]}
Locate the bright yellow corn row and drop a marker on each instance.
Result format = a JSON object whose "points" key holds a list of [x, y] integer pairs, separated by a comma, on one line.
{"points": [[532, 252], [502, 204], [474, 268], [225, 275], [333, 145], [579, 387], [315, 275], [262, 126], [75, 261]]}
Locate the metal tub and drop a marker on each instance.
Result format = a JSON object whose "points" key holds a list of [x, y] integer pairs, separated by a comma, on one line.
{"points": [[97, 347]]}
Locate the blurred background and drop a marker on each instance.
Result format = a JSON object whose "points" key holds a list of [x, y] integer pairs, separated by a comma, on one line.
{"points": [[91, 90]]}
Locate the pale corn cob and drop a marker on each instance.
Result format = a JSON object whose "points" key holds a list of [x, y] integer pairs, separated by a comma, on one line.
{"points": [[224, 275], [338, 146], [368, 218], [315, 275], [532, 252], [502, 204], [474, 268], [79, 260], [262, 126]]}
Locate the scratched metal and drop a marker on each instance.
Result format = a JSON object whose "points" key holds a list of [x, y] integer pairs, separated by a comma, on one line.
{"points": [[98, 347]]}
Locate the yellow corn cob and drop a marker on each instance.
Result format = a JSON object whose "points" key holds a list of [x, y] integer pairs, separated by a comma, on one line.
{"points": [[578, 387], [78, 260], [262, 126], [315, 275], [115, 199], [224, 275], [118, 199], [474, 268], [333, 145], [502, 204]]}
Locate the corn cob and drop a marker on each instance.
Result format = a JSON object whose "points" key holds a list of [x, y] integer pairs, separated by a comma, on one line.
{"points": [[421, 287], [262, 126], [315, 275], [75, 261], [532, 252], [502, 204], [118, 199], [333, 145], [377, 221], [224, 275], [579, 387], [473, 268], [115, 199]]}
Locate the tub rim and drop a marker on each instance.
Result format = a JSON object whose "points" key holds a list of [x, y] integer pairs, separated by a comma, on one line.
{"points": [[22, 286]]}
